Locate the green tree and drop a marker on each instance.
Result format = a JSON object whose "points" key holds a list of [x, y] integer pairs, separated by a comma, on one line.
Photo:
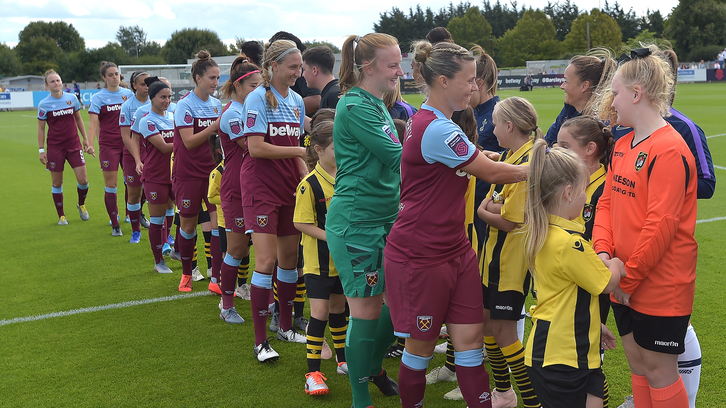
{"points": [[653, 22], [695, 24], [151, 49], [9, 63], [629, 23], [502, 18], [604, 32], [562, 16], [132, 40], [473, 27], [416, 24], [315, 43], [41, 45], [533, 38], [185, 43]]}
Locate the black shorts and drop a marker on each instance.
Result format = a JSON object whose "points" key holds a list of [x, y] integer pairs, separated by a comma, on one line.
{"points": [[504, 305], [560, 386], [655, 333], [203, 216], [222, 239], [321, 287]]}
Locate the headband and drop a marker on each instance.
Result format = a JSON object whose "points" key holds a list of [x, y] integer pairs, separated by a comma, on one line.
{"points": [[287, 51], [137, 74], [246, 75]]}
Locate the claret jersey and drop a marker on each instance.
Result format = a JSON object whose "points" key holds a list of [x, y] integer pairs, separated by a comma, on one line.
{"points": [[107, 105], [192, 112], [157, 164], [59, 114], [231, 131]]}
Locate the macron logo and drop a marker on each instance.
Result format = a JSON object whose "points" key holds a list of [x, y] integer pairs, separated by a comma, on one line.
{"points": [[500, 307], [285, 130], [666, 343]]}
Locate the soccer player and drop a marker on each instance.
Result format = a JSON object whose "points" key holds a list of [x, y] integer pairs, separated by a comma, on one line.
{"points": [[195, 119], [104, 115], [584, 77], [244, 77], [61, 112], [318, 64], [157, 129], [504, 271], [325, 291], [273, 120], [132, 165], [431, 267], [563, 353], [365, 203], [650, 194]]}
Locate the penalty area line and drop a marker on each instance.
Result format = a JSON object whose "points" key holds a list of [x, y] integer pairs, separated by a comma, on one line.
{"points": [[100, 308]]}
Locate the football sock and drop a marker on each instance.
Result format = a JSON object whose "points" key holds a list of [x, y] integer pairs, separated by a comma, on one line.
{"points": [[689, 365], [672, 396], [359, 347], [208, 248], [500, 369], [384, 338], [412, 379], [286, 287], [109, 198], [450, 360], [300, 292], [641, 391], [316, 337], [514, 353], [216, 253], [606, 393], [243, 271], [229, 269], [156, 238], [82, 193], [186, 250], [473, 378], [58, 200], [338, 328], [194, 256], [134, 212], [259, 300]]}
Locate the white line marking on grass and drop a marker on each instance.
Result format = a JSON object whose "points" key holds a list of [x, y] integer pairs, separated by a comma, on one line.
{"points": [[711, 220], [99, 308], [718, 135], [719, 167]]}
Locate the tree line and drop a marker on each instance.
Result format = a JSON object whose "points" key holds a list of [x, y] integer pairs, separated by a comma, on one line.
{"points": [[513, 34], [58, 46]]}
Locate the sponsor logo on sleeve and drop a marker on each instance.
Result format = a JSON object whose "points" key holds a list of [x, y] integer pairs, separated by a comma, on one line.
{"points": [[133, 120], [387, 130], [188, 119], [235, 126], [151, 126], [578, 246], [251, 118], [640, 160], [41, 113], [457, 144], [424, 323], [122, 117]]}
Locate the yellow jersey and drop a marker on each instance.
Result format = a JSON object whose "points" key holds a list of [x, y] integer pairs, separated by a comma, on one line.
{"points": [[471, 213], [594, 191], [215, 180]]}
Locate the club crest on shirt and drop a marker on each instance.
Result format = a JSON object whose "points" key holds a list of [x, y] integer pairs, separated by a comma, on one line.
{"points": [[262, 220], [186, 203], [251, 118], [640, 161], [52, 165], [234, 125], [122, 117], [216, 110], [587, 212], [124, 98], [240, 222], [68, 103], [296, 111], [424, 323], [151, 126], [105, 163], [387, 130], [129, 179], [372, 279], [497, 198], [457, 144], [188, 119], [153, 195]]}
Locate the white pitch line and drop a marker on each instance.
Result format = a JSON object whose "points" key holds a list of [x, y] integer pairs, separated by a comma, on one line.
{"points": [[99, 308], [719, 167], [718, 135], [711, 220]]}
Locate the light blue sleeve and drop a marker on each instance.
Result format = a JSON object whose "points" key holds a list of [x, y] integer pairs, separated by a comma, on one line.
{"points": [[183, 115], [255, 114], [143, 110], [76, 104], [301, 103], [231, 123], [148, 128], [124, 117], [42, 110], [446, 143], [95, 103]]}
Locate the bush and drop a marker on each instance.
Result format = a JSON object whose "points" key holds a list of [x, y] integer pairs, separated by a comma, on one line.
{"points": [[706, 53]]}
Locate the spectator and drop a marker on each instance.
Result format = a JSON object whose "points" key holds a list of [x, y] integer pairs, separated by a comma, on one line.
{"points": [[720, 58], [701, 65]]}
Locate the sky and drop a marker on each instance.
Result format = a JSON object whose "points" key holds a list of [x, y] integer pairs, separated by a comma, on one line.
{"points": [[98, 21]]}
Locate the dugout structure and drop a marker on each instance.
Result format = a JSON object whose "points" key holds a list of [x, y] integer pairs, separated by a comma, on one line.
{"points": [[179, 75]]}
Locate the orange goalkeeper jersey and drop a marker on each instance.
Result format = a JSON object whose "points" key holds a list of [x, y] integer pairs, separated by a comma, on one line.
{"points": [[647, 217]]}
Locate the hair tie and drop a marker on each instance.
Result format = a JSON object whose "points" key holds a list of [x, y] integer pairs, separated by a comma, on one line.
{"points": [[535, 128], [547, 150], [245, 75], [244, 60], [306, 141], [287, 51], [357, 38]]}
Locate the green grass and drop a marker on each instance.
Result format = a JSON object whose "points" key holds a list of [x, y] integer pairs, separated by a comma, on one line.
{"points": [[178, 353]]}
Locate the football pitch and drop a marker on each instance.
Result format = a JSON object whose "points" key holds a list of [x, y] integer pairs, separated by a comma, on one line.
{"points": [[85, 321]]}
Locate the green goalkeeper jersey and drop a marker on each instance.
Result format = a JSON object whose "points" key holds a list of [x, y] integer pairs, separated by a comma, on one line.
{"points": [[368, 155]]}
